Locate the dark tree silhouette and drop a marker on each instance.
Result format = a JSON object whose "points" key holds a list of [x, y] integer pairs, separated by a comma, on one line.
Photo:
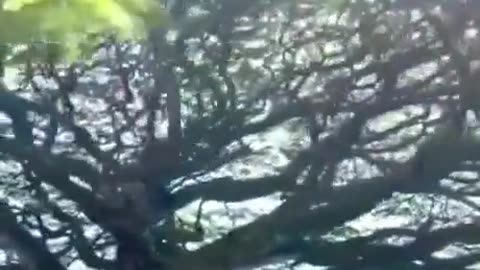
{"points": [[344, 114]]}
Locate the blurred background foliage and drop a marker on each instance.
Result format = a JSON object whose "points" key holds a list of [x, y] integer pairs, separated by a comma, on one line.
{"points": [[69, 30]]}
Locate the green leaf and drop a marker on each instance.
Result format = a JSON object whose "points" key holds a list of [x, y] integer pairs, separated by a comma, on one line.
{"points": [[70, 22]]}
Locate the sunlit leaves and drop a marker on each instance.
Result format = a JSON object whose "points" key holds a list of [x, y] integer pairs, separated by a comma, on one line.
{"points": [[69, 22]]}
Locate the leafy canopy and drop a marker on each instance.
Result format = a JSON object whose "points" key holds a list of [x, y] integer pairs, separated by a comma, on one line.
{"points": [[70, 22]]}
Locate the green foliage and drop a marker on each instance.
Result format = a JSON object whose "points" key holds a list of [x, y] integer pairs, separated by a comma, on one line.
{"points": [[335, 5], [71, 22]]}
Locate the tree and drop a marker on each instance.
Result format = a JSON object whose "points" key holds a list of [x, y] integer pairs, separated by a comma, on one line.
{"points": [[341, 113]]}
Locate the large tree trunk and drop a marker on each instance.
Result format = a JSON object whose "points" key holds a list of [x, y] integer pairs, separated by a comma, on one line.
{"points": [[165, 82]]}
